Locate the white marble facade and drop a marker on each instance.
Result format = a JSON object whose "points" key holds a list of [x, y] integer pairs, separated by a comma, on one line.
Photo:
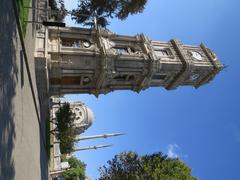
{"points": [[97, 61]]}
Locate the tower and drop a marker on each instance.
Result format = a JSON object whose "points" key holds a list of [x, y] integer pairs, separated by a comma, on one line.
{"points": [[97, 61]]}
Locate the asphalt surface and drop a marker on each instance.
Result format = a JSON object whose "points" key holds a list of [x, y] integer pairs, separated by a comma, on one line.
{"points": [[22, 151]]}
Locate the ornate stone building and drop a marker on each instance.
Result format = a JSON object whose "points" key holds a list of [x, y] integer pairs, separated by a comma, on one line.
{"points": [[83, 120], [97, 61], [83, 115]]}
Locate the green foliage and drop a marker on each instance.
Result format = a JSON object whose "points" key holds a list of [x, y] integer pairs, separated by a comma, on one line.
{"points": [[67, 141], [76, 171], [129, 165], [23, 13], [63, 157], [58, 12], [65, 130], [103, 9]]}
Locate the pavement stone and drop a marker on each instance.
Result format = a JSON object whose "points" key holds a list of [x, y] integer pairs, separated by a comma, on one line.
{"points": [[22, 152]]}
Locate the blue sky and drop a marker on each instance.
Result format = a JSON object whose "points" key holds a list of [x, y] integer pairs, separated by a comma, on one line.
{"points": [[201, 126]]}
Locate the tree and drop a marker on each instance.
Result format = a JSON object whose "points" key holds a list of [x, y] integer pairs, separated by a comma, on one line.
{"points": [[103, 9], [76, 171], [65, 128], [130, 165], [58, 11]]}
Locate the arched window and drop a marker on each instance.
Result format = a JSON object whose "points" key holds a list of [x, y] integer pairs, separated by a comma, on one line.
{"points": [[121, 49], [131, 78], [162, 52], [120, 77], [76, 43], [124, 77], [126, 50]]}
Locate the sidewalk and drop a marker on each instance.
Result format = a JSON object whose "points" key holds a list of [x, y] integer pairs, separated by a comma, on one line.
{"points": [[22, 151]]}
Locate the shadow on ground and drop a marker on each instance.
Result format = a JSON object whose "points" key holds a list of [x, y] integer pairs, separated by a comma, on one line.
{"points": [[12, 83], [8, 81]]}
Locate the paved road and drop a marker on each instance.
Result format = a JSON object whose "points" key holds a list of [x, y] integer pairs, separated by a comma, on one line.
{"points": [[22, 153]]}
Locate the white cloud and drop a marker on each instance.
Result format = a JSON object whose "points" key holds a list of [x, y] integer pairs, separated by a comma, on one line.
{"points": [[172, 151]]}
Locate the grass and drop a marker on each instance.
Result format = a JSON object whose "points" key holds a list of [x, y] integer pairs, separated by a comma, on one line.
{"points": [[23, 13]]}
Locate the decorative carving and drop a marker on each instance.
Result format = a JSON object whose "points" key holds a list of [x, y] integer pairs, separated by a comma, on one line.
{"points": [[107, 43], [102, 61]]}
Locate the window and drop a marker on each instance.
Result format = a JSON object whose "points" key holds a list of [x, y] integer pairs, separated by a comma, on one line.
{"points": [[124, 77], [159, 76], [121, 49], [126, 49], [131, 78], [70, 80], [70, 43], [133, 50], [76, 43], [163, 52], [120, 77]]}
